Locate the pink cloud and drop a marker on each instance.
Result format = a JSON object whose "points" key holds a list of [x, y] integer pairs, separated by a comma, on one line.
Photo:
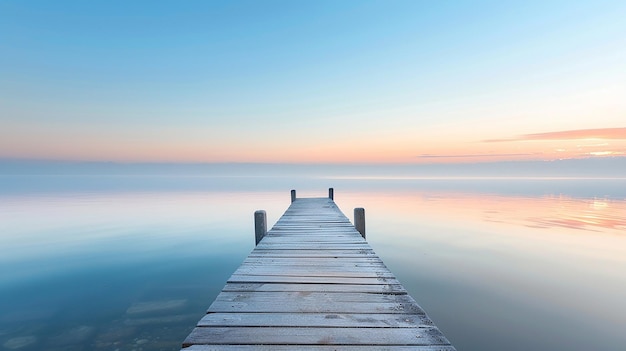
{"points": [[473, 155], [602, 133]]}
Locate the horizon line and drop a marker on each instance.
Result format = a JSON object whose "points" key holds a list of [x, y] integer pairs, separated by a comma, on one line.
{"points": [[120, 162]]}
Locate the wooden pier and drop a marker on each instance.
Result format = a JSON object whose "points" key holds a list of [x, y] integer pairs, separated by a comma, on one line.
{"points": [[314, 283]]}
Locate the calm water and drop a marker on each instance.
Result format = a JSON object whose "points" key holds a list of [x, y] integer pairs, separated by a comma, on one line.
{"points": [[131, 263]]}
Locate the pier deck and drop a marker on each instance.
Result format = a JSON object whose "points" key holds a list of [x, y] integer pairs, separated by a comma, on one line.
{"points": [[314, 283]]}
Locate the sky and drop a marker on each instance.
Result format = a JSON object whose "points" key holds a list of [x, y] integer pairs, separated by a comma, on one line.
{"points": [[312, 81]]}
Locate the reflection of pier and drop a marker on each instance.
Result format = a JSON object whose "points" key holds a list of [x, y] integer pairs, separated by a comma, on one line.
{"points": [[313, 280]]}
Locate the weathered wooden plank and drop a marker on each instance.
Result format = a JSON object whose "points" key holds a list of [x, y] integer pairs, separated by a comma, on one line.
{"points": [[321, 320], [318, 348], [314, 253], [371, 261], [312, 246], [320, 260], [306, 297], [322, 218], [310, 255], [348, 266], [311, 218], [306, 241], [328, 305], [316, 336], [313, 222], [316, 271], [370, 288], [270, 239], [312, 231], [330, 252], [318, 263], [311, 275], [313, 271], [309, 236], [298, 229], [238, 278], [332, 230]]}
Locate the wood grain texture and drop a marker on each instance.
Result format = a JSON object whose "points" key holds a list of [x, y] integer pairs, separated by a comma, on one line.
{"points": [[321, 320], [365, 288], [317, 348], [314, 283], [315, 336]]}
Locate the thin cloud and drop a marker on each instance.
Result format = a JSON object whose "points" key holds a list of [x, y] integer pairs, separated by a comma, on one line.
{"points": [[602, 133], [472, 155]]}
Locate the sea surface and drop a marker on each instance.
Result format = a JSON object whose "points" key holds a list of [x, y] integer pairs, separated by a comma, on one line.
{"points": [[118, 262]]}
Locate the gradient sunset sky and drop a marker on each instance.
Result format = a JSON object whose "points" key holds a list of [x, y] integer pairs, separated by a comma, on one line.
{"points": [[312, 81]]}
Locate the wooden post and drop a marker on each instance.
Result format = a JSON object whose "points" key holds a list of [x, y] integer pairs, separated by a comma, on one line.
{"points": [[293, 195], [359, 220], [331, 193], [260, 225]]}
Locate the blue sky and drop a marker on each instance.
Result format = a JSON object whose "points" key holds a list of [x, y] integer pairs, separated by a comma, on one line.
{"points": [[317, 81]]}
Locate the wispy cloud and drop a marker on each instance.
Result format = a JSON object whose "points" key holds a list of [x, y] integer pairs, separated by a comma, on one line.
{"points": [[473, 155], [602, 133]]}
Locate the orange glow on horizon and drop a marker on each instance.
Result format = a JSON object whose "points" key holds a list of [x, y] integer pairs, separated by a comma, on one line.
{"points": [[383, 149]]}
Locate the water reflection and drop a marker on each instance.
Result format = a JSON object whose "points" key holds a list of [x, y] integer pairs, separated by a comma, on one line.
{"points": [[592, 215], [498, 264], [546, 211], [124, 270], [519, 271]]}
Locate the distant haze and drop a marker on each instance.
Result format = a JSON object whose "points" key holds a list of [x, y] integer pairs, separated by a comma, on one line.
{"points": [[609, 167]]}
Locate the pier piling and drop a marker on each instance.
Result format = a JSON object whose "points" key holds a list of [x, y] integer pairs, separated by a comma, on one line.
{"points": [[359, 220], [260, 225]]}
